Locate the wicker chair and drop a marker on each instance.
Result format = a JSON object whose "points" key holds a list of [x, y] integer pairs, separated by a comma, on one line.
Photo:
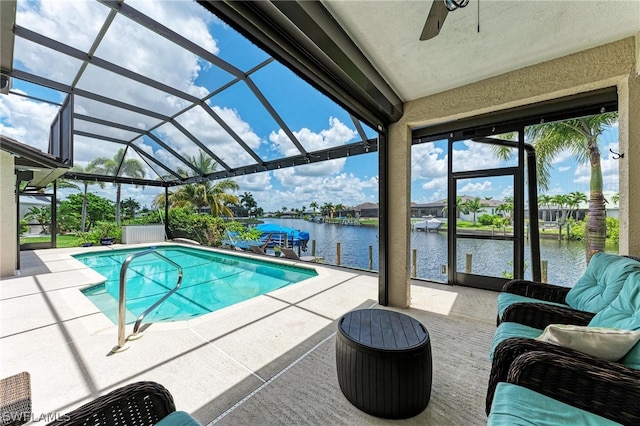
{"points": [[547, 303], [139, 404], [15, 399], [540, 315], [608, 389]]}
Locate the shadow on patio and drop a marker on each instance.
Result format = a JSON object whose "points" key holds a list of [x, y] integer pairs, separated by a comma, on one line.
{"points": [[269, 360]]}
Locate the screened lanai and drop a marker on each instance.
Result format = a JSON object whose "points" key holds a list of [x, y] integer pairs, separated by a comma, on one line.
{"points": [[238, 107], [388, 84]]}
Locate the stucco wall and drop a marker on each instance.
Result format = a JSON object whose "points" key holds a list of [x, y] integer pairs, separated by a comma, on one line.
{"points": [[8, 234], [605, 66]]}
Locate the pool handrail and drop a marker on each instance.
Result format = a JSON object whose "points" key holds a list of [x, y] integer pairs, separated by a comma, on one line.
{"points": [[122, 295]]}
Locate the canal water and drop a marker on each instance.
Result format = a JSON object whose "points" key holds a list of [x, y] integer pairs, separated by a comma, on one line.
{"points": [[566, 260]]}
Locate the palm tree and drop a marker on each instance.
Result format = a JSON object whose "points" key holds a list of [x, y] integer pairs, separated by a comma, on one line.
{"points": [[575, 198], [122, 167], [561, 202], [328, 209], [460, 207], [313, 205], [474, 206], [545, 200], [86, 183], [248, 202], [507, 210], [580, 136], [207, 193]]}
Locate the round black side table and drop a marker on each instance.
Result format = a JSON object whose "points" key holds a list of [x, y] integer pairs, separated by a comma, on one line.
{"points": [[383, 360]]}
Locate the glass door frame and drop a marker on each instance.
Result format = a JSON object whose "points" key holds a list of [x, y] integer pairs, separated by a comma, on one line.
{"points": [[524, 171], [525, 157]]}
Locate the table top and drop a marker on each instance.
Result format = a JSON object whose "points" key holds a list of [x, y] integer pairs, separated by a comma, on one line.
{"points": [[383, 329]]}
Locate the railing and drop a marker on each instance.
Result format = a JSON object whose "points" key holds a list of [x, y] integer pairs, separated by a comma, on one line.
{"points": [[122, 296]]}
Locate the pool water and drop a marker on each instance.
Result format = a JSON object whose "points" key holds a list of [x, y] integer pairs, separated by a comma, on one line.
{"points": [[211, 281]]}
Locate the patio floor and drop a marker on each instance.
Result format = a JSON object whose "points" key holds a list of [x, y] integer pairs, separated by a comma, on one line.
{"points": [[268, 360]]}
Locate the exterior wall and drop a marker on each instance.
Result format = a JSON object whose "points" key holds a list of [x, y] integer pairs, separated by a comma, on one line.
{"points": [[611, 65], [8, 232]]}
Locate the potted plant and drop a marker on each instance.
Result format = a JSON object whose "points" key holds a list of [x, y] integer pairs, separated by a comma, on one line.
{"points": [[85, 239], [277, 251]]}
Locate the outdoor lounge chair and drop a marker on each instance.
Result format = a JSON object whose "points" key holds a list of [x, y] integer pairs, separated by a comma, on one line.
{"points": [[511, 340], [257, 249], [140, 404], [555, 385], [291, 254], [521, 300], [15, 399]]}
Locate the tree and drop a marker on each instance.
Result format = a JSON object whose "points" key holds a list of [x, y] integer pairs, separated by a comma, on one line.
{"points": [[98, 209], [327, 209], [474, 206], [313, 205], [248, 202], [89, 169], [562, 203], [580, 136], [615, 198], [42, 216], [459, 208], [214, 195], [574, 200], [507, 211], [130, 208], [545, 200], [118, 166]]}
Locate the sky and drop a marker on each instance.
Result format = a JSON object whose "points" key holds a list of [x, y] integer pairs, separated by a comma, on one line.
{"points": [[316, 121]]}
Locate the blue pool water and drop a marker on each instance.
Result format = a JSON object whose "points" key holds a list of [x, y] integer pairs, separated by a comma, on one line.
{"points": [[211, 281]]}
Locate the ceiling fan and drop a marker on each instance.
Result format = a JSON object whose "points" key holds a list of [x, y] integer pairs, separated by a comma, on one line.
{"points": [[437, 15]]}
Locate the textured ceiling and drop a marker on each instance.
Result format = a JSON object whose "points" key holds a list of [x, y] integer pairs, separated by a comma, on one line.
{"points": [[513, 34]]}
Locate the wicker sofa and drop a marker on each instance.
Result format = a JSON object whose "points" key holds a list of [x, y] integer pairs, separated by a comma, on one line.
{"points": [[140, 404], [584, 382], [594, 290], [601, 283], [561, 386]]}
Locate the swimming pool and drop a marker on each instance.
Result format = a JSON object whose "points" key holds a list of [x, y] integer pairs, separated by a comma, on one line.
{"points": [[211, 281]]}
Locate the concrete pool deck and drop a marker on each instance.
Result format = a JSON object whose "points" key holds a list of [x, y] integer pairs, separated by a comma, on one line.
{"points": [[267, 360]]}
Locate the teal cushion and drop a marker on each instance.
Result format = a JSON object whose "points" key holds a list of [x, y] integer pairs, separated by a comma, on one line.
{"points": [[601, 282], [179, 418], [624, 313], [507, 299], [515, 405], [507, 330]]}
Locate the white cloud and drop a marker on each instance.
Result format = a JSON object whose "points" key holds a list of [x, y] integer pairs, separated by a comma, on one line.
{"points": [[477, 156], [476, 188], [425, 162], [26, 121], [255, 182], [436, 183], [294, 190], [337, 134]]}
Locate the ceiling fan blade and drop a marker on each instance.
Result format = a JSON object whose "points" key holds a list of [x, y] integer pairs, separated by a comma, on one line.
{"points": [[434, 22]]}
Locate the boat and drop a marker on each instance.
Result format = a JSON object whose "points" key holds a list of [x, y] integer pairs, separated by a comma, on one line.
{"points": [[278, 235], [429, 223]]}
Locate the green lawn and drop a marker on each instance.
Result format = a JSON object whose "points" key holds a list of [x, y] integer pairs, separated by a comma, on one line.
{"points": [[62, 240]]}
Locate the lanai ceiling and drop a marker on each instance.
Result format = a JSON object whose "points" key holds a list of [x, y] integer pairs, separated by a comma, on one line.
{"points": [[366, 55], [512, 34]]}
